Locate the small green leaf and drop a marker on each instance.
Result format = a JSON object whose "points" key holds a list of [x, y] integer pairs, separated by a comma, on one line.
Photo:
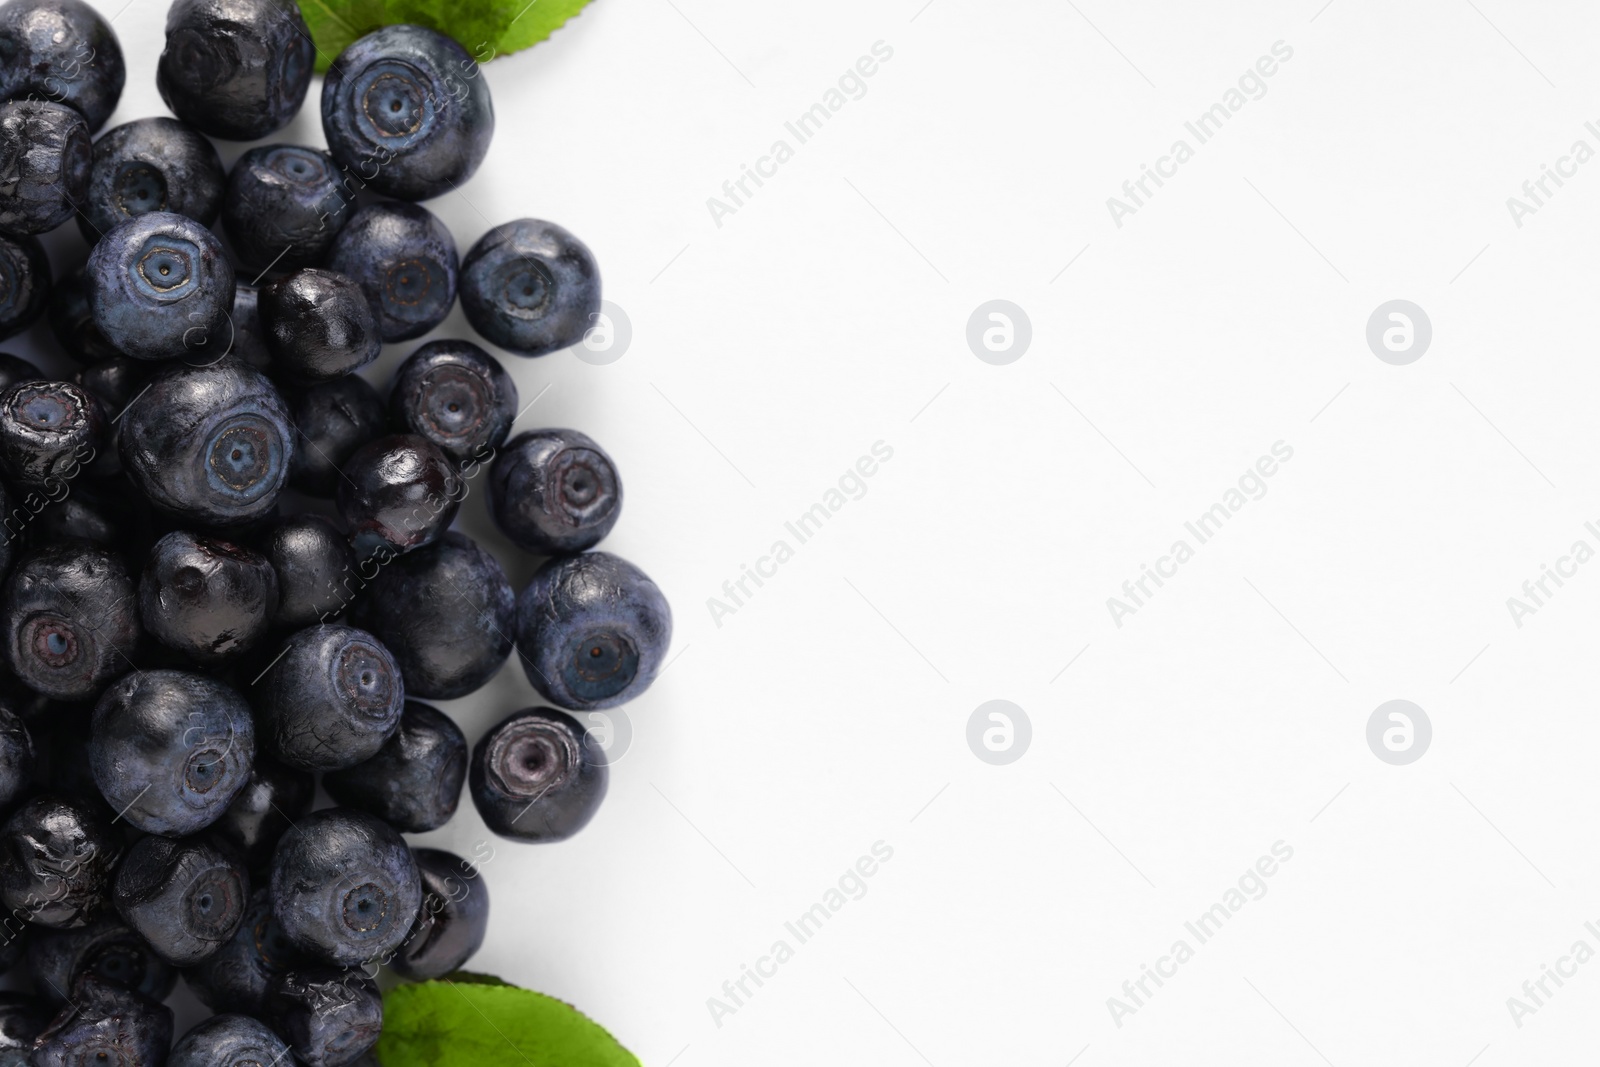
{"points": [[471, 1020], [485, 28]]}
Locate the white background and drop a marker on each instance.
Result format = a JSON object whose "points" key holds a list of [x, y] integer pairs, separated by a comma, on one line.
{"points": [[830, 711]]}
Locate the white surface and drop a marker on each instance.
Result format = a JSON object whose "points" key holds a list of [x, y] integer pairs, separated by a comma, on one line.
{"points": [[829, 313]]}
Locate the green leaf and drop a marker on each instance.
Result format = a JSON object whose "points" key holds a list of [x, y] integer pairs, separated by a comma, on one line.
{"points": [[485, 28], [473, 1020]]}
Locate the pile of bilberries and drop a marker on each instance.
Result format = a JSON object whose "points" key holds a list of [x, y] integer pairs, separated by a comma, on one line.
{"points": [[182, 657]]}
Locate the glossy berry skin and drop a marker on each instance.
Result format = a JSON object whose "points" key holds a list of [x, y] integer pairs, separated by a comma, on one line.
{"points": [[115, 381], [405, 107], [345, 888], [49, 432], [446, 612], [160, 287], [313, 563], [554, 492], [406, 260], [229, 1041], [235, 69], [59, 854], [414, 782], [154, 164], [398, 493], [72, 321], [238, 977], [108, 948], [452, 921], [18, 761], [330, 700], [268, 805], [593, 630], [106, 1024], [530, 287], [185, 898], [333, 420], [457, 396], [206, 598], [24, 283], [284, 206], [171, 749], [211, 445], [22, 1018], [45, 157], [330, 1015], [61, 50], [71, 619], [319, 325], [538, 776]]}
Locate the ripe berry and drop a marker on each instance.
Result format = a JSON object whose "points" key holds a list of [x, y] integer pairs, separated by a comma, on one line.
{"points": [[171, 749], [554, 492], [344, 886], [593, 631], [538, 776], [457, 396], [236, 69], [405, 259], [407, 109], [530, 287]]}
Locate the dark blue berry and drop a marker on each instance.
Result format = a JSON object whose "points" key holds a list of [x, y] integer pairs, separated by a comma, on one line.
{"points": [[71, 618], [414, 782], [229, 1041], [530, 287], [406, 109], [333, 420], [457, 396], [593, 631], [452, 921], [45, 158], [238, 977], [154, 164], [105, 1024], [538, 776], [313, 562], [61, 50], [331, 1016], [171, 749], [209, 444], [56, 859], [206, 598], [186, 898], [24, 283], [331, 698], [160, 287], [345, 888], [398, 493], [446, 612], [554, 492], [319, 325], [50, 432], [236, 69], [108, 948], [284, 206], [405, 259]]}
